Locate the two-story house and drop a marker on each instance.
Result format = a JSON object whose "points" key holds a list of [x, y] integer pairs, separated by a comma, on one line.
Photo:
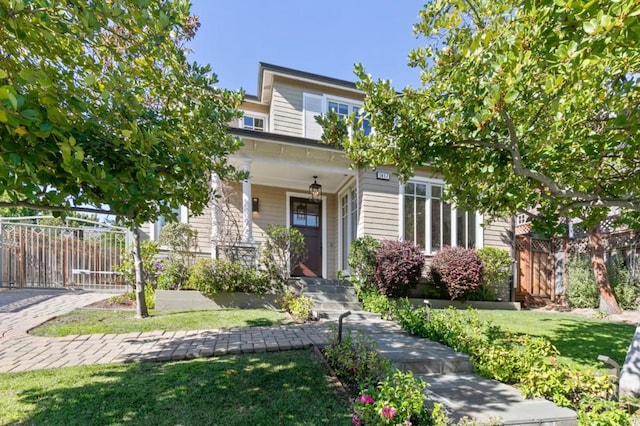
{"points": [[299, 182]]}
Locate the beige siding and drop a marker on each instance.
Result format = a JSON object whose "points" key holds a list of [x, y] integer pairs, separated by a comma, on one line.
{"points": [[286, 110], [497, 234], [379, 205], [202, 224]]}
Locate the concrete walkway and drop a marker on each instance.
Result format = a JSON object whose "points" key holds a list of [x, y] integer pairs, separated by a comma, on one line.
{"points": [[448, 373]]}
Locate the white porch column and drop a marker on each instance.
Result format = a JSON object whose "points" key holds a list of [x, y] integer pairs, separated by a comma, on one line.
{"points": [[216, 216], [247, 219]]}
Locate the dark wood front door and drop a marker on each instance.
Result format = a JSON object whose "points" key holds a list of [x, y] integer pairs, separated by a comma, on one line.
{"points": [[306, 217]]}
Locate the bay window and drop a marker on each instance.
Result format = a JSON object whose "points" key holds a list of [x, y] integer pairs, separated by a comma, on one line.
{"points": [[431, 223]]}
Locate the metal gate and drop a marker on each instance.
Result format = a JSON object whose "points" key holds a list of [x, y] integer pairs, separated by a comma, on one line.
{"points": [[535, 268], [82, 254]]}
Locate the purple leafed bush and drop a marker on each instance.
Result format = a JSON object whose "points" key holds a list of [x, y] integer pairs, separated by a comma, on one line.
{"points": [[458, 269], [399, 267]]}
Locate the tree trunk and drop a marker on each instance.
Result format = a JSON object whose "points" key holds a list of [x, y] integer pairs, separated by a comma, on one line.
{"points": [[141, 306], [608, 303]]}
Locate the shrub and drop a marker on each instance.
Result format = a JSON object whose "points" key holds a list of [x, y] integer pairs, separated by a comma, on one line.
{"points": [[582, 291], [458, 269], [373, 301], [528, 362], [212, 276], [362, 260], [395, 400], [174, 275], [496, 271], [355, 359], [297, 305], [624, 287], [151, 268], [399, 266], [283, 250]]}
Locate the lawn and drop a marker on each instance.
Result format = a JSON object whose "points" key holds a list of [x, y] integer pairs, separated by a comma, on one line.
{"points": [[99, 321], [578, 339], [281, 388]]}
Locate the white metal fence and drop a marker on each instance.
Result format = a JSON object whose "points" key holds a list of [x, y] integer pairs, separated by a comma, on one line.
{"points": [[82, 253]]}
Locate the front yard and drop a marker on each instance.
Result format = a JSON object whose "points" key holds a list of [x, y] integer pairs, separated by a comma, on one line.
{"points": [[281, 388]]}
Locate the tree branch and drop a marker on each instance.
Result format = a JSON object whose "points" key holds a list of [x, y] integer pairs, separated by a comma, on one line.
{"points": [[33, 206], [590, 199]]}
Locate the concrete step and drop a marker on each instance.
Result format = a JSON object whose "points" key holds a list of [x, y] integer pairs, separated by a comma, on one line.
{"points": [[355, 315], [337, 306], [309, 281], [490, 402], [328, 289], [332, 297]]}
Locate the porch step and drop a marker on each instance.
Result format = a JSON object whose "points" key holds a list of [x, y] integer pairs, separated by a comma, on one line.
{"points": [[312, 281], [320, 297], [337, 306], [355, 315]]}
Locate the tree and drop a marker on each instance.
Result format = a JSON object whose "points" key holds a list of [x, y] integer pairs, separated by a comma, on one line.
{"points": [[99, 107], [522, 105]]}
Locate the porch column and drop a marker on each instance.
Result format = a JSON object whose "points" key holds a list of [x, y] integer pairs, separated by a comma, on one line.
{"points": [[215, 216], [247, 218]]}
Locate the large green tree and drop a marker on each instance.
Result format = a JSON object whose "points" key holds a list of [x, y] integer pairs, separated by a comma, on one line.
{"points": [[523, 105], [100, 107]]}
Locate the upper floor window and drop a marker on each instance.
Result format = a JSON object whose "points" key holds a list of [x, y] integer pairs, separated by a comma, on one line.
{"points": [[432, 223], [252, 123], [343, 109]]}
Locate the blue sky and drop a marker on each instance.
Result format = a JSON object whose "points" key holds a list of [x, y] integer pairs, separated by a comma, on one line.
{"points": [[321, 36]]}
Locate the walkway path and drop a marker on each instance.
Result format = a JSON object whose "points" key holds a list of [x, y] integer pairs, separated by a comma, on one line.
{"points": [[447, 372]]}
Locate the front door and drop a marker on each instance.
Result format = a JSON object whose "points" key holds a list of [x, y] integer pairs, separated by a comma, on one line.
{"points": [[306, 217]]}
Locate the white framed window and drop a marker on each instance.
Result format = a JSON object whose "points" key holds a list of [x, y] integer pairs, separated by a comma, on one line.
{"points": [[431, 223], [348, 225], [156, 228], [314, 105], [344, 108], [253, 121]]}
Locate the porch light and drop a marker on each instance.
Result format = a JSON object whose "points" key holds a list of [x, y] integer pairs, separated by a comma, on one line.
{"points": [[255, 205], [315, 190]]}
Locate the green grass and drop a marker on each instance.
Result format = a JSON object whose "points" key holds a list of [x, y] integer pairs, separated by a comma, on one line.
{"points": [[579, 340], [281, 388], [95, 321]]}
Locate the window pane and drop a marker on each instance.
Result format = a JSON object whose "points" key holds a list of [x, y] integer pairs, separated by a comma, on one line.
{"points": [[461, 223], [313, 208], [471, 230], [343, 109], [366, 127], [312, 220], [258, 123], [248, 122], [354, 215], [345, 230], [421, 207], [409, 188], [446, 225], [421, 189], [408, 218], [333, 106], [436, 218], [436, 191]]}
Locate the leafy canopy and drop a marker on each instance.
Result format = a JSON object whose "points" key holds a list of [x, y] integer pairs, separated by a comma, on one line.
{"points": [[532, 103], [99, 106]]}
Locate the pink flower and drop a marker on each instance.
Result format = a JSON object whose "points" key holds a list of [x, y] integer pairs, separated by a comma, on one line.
{"points": [[388, 412], [366, 399], [355, 420]]}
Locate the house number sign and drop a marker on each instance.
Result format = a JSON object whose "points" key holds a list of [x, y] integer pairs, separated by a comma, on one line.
{"points": [[382, 176]]}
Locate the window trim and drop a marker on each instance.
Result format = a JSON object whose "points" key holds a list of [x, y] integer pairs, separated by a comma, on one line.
{"points": [[325, 98], [252, 114], [479, 229], [154, 232], [347, 190]]}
